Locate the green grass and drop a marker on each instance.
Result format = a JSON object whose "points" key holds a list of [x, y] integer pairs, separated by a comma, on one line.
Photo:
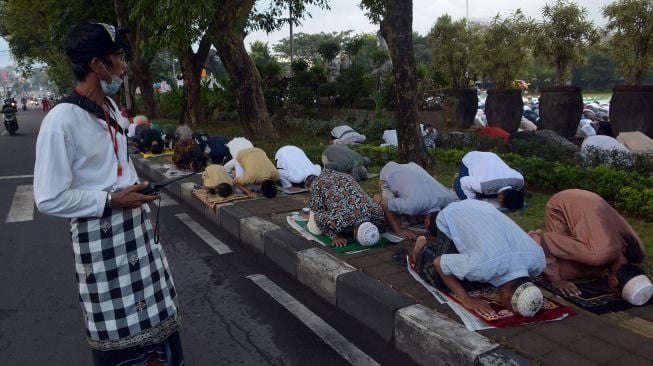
{"points": [[528, 219]]}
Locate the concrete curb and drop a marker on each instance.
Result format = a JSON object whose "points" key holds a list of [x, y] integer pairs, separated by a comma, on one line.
{"points": [[426, 335]]}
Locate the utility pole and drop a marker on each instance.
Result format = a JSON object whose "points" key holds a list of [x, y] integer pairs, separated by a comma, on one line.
{"points": [[467, 10], [290, 21]]}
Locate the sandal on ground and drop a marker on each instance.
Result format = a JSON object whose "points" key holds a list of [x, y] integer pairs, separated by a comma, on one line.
{"points": [[399, 257]]}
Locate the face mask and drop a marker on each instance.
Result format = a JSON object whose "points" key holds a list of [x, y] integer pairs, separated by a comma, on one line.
{"points": [[113, 87]]}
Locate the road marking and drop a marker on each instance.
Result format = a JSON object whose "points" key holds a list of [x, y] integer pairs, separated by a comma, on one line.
{"points": [[330, 336], [166, 200], [22, 207], [212, 241], [16, 177]]}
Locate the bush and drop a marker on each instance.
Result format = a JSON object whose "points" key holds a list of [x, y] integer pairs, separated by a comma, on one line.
{"points": [[170, 103]]}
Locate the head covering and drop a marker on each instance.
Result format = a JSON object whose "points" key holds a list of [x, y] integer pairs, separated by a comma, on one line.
{"points": [[88, 40], [141, 120], [638, 290], [368, 234], [359, 172], [527, 299]]}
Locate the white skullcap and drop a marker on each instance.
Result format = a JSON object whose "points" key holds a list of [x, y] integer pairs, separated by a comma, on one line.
{"points": [[638, 290], [527, 299], [141, 120], [368, 234]]}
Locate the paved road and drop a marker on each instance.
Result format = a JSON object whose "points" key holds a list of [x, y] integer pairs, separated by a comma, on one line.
{"points": [[229, 316]]}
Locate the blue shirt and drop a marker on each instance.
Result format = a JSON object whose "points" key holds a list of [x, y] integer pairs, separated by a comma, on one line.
{"points": [[492, 247]]}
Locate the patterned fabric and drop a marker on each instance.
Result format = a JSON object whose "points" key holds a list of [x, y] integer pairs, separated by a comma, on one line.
{"points": [[340, 204], [125, 288], [429, 138], [493, 186], [189, 156]]}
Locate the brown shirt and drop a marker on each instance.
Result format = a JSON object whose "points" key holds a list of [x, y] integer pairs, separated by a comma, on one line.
{"points": [[584, 235]]}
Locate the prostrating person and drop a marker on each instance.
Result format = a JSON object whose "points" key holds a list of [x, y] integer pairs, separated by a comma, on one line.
{"points": [[294, 166], [343, 159], [255, 173]]}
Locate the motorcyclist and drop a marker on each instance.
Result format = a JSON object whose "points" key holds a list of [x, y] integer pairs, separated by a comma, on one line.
{"points": [[7, 107], [23, 101]]}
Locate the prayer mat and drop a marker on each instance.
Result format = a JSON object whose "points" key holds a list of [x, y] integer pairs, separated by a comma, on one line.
{"points": [[164, 153], [212, 200], [174, 172], [595, 296], [352, 245], [502, 317], [292, 190]]}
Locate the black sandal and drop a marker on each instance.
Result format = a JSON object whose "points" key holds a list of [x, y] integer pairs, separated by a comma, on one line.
{"points": [[399, 257]]}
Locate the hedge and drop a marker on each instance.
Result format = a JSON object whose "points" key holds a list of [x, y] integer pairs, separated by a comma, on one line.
{"points": [[627, 191]]}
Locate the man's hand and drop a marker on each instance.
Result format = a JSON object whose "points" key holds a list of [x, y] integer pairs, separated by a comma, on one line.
{"points": [[377, 198], [339, 241], [567, 288], [407, 234], [477, 305], [131, 198]]}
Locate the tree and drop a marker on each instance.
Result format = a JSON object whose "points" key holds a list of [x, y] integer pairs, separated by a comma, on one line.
{"points": [[233, 18], [142, 53], [630, 23], [505, 47], [564, 36], [396, 22], [179, 25], [306, 45], [452, 44], [36, 36], [328, 50], [598, 73]]}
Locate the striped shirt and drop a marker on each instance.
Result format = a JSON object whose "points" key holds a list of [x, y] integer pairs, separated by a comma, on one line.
{"points": [[492, 247]]}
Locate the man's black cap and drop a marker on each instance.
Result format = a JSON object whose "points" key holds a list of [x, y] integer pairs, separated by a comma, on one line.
{"points": [[88, 40]]}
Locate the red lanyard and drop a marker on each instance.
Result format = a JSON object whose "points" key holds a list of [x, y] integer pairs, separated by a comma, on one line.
{"points": [[114, 139]]}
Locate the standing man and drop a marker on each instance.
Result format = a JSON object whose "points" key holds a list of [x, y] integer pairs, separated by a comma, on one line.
{"points": [[407, 189], [585, 236], [83, 172]]}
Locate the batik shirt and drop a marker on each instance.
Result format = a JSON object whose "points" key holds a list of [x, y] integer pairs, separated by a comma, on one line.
{"points": [[340, 204]]}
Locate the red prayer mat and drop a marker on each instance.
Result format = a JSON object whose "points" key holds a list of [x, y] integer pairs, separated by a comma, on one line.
{"points": [[502, 317]]}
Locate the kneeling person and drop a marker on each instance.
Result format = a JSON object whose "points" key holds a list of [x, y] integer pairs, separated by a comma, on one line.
{"points": [[477, 244], [407, 189], [217, 180], [343, 159], [255, 173], [339, 206], [585, 236]]}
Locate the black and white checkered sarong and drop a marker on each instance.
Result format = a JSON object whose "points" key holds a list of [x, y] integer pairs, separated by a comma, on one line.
{"points": [[125, 288]]}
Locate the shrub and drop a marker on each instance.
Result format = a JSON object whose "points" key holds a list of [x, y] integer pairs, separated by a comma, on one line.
{"points": [[170, 103]]}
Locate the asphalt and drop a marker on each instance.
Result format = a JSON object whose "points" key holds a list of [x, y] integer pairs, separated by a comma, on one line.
{"points": [[368, 287]]}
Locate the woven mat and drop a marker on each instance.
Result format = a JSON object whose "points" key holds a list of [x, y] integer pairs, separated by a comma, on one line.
{"points": [[502, 317], [212, 200], [352, 245], [292, 190], [595, 296]]}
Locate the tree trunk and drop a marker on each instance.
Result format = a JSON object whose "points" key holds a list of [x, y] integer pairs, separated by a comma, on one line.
{"points": [[397, 29], [229, 42], [139, 64], [191, 66]]}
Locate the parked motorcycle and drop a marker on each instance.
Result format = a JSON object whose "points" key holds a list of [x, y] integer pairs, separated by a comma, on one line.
{"points": [[11, 124]]}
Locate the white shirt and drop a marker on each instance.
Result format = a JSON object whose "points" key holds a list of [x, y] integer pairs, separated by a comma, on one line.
{"points": [[601, 142], [488, 174], [492, 248], [235, 145], [131, 131], [294, 166], [75, 162], [390, 137]]}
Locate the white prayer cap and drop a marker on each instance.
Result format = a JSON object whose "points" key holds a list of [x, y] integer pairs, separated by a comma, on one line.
{"points": [[368, 234], [141, 120], [638, 290], [527, 299]]}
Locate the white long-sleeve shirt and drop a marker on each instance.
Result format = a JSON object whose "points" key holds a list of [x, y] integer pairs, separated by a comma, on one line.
{"points": [[488, 175], [76, 165], [294, 166]]}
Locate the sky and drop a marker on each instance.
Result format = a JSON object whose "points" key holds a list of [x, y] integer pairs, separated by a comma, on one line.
{"points": [[345, 15]]}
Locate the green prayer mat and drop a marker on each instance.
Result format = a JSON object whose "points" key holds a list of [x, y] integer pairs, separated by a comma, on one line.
{"points": [[352, 244]]}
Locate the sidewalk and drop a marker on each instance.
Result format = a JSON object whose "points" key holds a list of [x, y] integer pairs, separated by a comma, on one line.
{"points": [[385, 298]]}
